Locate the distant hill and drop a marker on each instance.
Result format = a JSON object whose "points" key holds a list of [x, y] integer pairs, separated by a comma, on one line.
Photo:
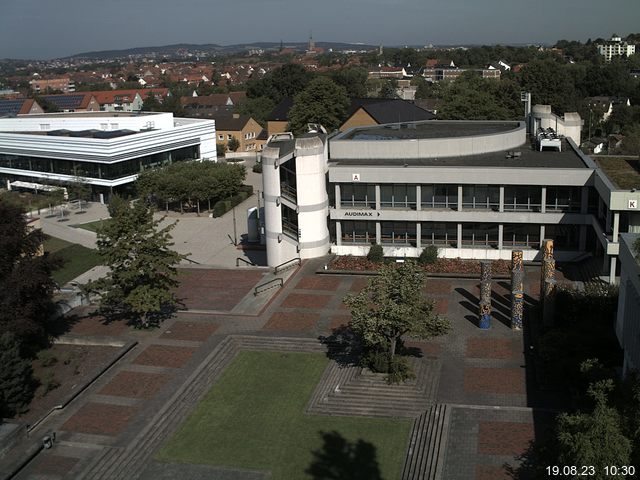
{"points": [[172, 50]]}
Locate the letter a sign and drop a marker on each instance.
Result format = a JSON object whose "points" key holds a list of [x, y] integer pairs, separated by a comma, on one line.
{"points": [[355, 177]]}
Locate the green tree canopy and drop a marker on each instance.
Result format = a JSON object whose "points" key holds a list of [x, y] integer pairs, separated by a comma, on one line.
{"points": [[353, 79], [286, 81], [16, 383], [257, 108], [142, 277], [392, 305], [550, 83], [322, 102]]}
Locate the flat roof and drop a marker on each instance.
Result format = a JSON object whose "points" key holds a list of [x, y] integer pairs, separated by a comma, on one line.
{"points": [[89, 114], [623, 172], [529, 158], [429, 129]]}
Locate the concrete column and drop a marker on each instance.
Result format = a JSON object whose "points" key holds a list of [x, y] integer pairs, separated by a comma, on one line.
{"points": [[459, 198], [616, 226], [378, 232], [338, 233], [543, 203], [459, 235], [378, 203], [418, 198], [582, 238], [501, 204], [500, 235], [612, 271], [584, 200], [541, 234], [418, 234], [337, 194]]}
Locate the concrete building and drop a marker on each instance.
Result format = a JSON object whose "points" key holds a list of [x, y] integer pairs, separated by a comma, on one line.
{"points": [[107, 151], [615, 47], [628, 317], [475, 189], [62, 84]]}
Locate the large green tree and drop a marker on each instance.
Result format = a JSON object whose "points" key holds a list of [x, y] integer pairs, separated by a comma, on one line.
{"points": [[392, 305], [322, 102], [16, 382], [286, 81], [473, 98], [26, 286], [142, 277], [354, 79]]}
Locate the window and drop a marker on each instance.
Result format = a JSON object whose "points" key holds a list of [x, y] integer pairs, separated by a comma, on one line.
{"points": [[229, 136], [398, 196], [481, 197], [480, 235], [398, 233], [563, 199], [565, 237], [521, 235], [114, 126], [357, 195], [358, 232], [289, 222], [438, 234], [45, 126], [439, 196], [220, 137], [522, 198], [104, 126]]}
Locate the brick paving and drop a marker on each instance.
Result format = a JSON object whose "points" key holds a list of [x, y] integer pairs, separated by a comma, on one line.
{"points": [[211, 289], [301, 300], [135, 384], [504, 438], [164, 356], [478, 347], [49, 464], [100, 419], [292, 321], [495, 380], [491, 472], [319, 283], [190, 331]]}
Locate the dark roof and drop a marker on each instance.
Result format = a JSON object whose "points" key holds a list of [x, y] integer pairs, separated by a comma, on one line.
{"points": [[434, 129], [66, 102], [530, 158], [391, 110], [11, 108], [93, 133], [230, 122], [281, 111]]}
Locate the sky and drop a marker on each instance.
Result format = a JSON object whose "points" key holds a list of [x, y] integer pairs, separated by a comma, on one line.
{"points": [[42, 29]]}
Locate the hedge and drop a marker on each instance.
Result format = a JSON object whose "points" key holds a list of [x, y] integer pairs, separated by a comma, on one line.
{"points": [[223, 206]]}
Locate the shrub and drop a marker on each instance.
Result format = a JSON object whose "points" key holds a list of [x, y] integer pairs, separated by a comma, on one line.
{"points": [[47, 359], [220, 208], [257, 167], [48, 382], [399, 370], [246, 188], [376, 254], [429, 255], [16, 383]]}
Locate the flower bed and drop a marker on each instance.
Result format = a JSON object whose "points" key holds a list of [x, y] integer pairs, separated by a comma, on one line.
{"points": [[442, 265]]}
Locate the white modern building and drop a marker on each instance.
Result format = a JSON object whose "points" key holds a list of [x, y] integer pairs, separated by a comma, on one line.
{"points": [[628, 317], [475, 189], [105, 150], [615, 47]]}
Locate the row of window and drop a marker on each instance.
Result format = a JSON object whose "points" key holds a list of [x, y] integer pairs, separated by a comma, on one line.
{"points": [[481, 197], [106, 171], [446, 234]]}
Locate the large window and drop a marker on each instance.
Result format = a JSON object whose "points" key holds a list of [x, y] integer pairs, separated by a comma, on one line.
{"points": [[563, 199], [439, 196], [289, 222], [522, 198], [521, 235], [357, 195], [358, 232], [482, 235], [565, 237], [398, 196], [439, 234], [288, 182], [398, 233], [481, 197]]}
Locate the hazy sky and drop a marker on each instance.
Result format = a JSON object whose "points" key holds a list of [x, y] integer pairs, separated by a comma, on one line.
{"points": [[56, 28]]}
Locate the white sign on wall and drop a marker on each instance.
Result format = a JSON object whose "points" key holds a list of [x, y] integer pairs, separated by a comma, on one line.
{"points": [[355, 177], [632, 204]]}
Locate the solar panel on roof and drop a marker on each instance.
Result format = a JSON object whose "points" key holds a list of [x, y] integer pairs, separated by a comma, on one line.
{"points": [[10, 107], [65, 102]]}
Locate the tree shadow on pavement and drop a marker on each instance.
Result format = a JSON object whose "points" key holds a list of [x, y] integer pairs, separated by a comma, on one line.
{"points": [[340, 459]]}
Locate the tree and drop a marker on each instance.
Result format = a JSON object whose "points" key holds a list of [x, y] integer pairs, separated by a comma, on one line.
{"points": [[596, 438], [321, 102], [354, 79], [286, 81], [257, 108], [139, 286], [26, 286], [393, 305], [389, 89], [550, 83], [233, 144], [16, 382]]}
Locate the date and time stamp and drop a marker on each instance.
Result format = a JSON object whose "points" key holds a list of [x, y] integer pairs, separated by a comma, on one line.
{"points": [[586, 471]]}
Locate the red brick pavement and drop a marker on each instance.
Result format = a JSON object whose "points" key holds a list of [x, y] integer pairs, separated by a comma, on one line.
{"points": [[303, 300], [292, 321], [504, 438], [491, 472], [135, 384], [338, 321], [359, 283], [164, 356], [429, 349], [319, 283], [479, 347], [495, 380], [48, 464], [100, 419], [442, 306], [94, 325], [191, 331], [439, 287], [215, 289]]}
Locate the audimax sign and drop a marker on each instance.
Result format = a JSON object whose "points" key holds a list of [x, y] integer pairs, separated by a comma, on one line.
{"points": [[359, 213]]}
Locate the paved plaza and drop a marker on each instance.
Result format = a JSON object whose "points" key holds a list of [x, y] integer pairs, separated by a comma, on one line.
{"points": [[476, 380]]}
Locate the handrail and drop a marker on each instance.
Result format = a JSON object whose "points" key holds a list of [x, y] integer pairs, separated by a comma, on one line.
{"points": [[280, 284], [192, 261], [240, 259], [285, 265]]}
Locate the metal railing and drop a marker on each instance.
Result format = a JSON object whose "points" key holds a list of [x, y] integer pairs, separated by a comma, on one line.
{"points": [[263, 287], [240, 259], [286, 265]]}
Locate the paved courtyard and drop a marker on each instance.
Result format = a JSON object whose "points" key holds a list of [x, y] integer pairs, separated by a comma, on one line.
{"points": [[113, 429]]}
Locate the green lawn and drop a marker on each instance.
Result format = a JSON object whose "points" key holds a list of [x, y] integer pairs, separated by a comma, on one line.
{"points": [[91, 226], [253, 418], [77, 259]]}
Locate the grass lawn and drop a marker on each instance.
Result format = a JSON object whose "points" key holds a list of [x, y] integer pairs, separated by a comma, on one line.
{"points": [[253, 418], [91, 226], [624, 172], [77, 259]]}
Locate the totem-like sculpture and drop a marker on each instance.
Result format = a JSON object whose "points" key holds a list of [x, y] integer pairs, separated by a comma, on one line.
{"points": [[485, 295], [517, 289], [547, 283]]}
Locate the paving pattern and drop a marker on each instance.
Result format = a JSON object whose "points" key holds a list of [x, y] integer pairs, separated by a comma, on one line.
{"points": [[471, 404]]}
